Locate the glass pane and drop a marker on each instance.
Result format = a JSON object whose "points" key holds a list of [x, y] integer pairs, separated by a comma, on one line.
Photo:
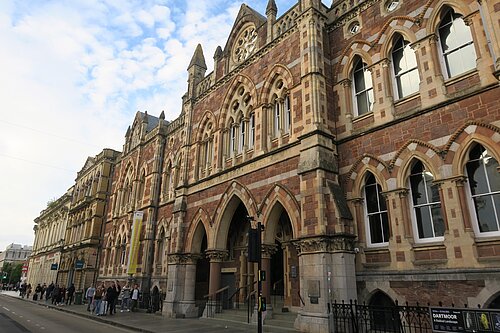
{"points": [[461, 31], [409, 56], [446, 36], [376, 235], [368, 78], [424, 222], [485, 213], [418, 189], [385, 226], [468, 54], [437, 218], [477, 178], [433, 192], [371, 100], [408, 83], [371, 199], [493, 174], [359, 80], [397, 60], [381, 199], [454, 63], [362, 101]]}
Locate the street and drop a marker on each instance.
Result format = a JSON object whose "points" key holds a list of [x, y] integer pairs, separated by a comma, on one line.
{"points": [[18, 316]]}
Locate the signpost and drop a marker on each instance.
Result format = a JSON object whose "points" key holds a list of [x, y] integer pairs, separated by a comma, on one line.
{"points": [[255, 255]]}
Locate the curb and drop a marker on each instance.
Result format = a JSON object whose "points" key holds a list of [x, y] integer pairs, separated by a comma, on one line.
{"points": [[85, 315]]}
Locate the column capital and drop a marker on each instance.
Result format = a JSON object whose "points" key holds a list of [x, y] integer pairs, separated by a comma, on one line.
{"points": [[329, 244], [216, 255], [268, 250], [184, 258]]}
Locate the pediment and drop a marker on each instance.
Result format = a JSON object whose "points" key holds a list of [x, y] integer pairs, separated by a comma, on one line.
{"points": [[89, 163]]}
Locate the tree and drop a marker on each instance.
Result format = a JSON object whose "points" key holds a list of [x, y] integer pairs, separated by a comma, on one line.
{"points": [[13, 272]]}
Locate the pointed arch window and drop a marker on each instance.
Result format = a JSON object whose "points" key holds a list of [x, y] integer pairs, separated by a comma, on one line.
{"points": [[232, 139], [456, 43], [404, 67], [277, 118], [484, 186], [426, 202], [377, 219], [168, 181], [251, 136], [241, 139], [161, 248], [123, 251], [363, 88], [287, 114]]}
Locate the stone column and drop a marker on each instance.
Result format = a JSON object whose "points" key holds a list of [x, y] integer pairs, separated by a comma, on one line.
{"points": [[327, 273], [216, 258], [180, 298], [267, 251]]}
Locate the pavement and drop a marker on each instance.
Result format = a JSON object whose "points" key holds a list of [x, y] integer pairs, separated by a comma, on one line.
{"points": [[150, 323]]}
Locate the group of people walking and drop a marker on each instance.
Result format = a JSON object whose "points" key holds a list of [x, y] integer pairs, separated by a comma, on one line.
{"points": [[103, 300], [58, 295]]}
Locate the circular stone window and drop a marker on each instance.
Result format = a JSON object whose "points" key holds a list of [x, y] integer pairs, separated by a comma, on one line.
{"points": [[354, 28], [391, 5], [245, 44]]}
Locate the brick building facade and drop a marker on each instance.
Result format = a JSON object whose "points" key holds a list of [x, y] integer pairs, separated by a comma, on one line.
{"points": [[363, 136]]}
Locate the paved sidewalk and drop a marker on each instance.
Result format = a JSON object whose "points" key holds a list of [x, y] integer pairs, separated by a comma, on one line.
{"points": [[152, 323]]}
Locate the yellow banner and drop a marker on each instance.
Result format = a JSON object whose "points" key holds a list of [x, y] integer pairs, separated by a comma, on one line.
{"points": [[134, 242]]}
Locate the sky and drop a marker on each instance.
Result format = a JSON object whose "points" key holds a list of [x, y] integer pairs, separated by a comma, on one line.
{"points": [[74, 73]]}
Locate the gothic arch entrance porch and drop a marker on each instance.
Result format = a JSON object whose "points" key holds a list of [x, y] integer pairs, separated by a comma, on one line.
{"points": [[282, 261]]}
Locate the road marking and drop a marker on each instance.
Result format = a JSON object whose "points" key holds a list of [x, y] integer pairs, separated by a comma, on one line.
{"points": [[37, 325], [29, 321], [5, 308], [13, 312], [42, 328]]}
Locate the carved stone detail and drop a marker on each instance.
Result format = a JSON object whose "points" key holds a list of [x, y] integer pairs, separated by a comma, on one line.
{"points": [[216, 255], [329, 244], [184, 258], [268, 250]]}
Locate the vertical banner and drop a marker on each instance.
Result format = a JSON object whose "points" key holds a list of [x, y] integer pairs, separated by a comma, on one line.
{"points": [[134, 242]]}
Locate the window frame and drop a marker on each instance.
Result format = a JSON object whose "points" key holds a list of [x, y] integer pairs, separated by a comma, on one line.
{"points": [[470, 197], [367, 214], [428, 204], [444, 55], [355, 93], [396, 77]]}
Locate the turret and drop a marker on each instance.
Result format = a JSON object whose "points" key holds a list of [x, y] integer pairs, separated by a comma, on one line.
{"points": [[196, 71], [271, 11]]}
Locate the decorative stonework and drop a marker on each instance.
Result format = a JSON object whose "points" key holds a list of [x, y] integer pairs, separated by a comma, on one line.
{"points": [[330, 244], [184, 258], [216, 255], [268, 250], [245, 44]]}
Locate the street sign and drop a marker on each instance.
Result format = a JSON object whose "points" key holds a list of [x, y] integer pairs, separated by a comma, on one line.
{"points": [[465, 320], [79, 264], [53, 267]]}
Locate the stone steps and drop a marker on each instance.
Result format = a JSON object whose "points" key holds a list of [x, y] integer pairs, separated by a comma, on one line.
{"points": [[281, 321]]}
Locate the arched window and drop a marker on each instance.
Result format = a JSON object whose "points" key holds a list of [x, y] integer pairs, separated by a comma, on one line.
{"points": [[142, 188], [377, 220], [232, 139], [426, 203], [167, 186], [160, 248], [405, 67], [251, 136], [456, 43], [277, 118], [484, 185], [382, 318], [287, 114], [363, 88], [241, 140], [117, 252]]}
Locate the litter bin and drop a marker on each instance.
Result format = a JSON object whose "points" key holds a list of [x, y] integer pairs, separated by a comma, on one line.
{"points": [[78, 297]]}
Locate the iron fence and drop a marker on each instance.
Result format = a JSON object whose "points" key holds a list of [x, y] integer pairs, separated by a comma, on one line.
{"points": [[360, 318]]}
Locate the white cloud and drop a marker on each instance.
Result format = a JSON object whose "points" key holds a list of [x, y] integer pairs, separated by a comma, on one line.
{"points": [[73, 76]]}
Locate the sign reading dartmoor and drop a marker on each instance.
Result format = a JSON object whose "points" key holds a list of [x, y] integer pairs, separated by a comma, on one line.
{"points": [[447, 320]]}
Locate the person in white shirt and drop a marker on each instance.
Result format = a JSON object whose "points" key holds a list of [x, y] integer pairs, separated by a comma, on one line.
{"points": [[135, 297]]}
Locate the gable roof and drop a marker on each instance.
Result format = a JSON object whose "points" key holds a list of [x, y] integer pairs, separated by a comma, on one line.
{"points": [[246, 14]]}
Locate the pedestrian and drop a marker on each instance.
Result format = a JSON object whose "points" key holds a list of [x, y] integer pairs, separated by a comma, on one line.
{"points": [[125, 298], [71, 293], [111, 296], [48, 292], [55, 294], [89, 296], [38, 292], [44, 289], [28, 291], [98, 300], [62, 296], [135, 297]]}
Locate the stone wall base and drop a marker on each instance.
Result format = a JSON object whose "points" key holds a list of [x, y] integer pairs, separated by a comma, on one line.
{"points": [[313, 322]]}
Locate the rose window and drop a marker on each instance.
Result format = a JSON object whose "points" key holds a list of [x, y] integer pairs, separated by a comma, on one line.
{"points": [[245, 44]]}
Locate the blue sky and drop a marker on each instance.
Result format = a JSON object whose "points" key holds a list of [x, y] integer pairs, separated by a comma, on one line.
{"points": [[74, 73]]}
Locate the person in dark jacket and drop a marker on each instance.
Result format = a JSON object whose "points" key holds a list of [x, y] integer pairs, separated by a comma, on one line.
{"points": [[71, 292], [111, 296]]}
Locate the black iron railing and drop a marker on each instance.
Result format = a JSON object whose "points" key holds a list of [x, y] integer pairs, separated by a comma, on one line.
{"points": [[360, 318], [217, 301]]}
